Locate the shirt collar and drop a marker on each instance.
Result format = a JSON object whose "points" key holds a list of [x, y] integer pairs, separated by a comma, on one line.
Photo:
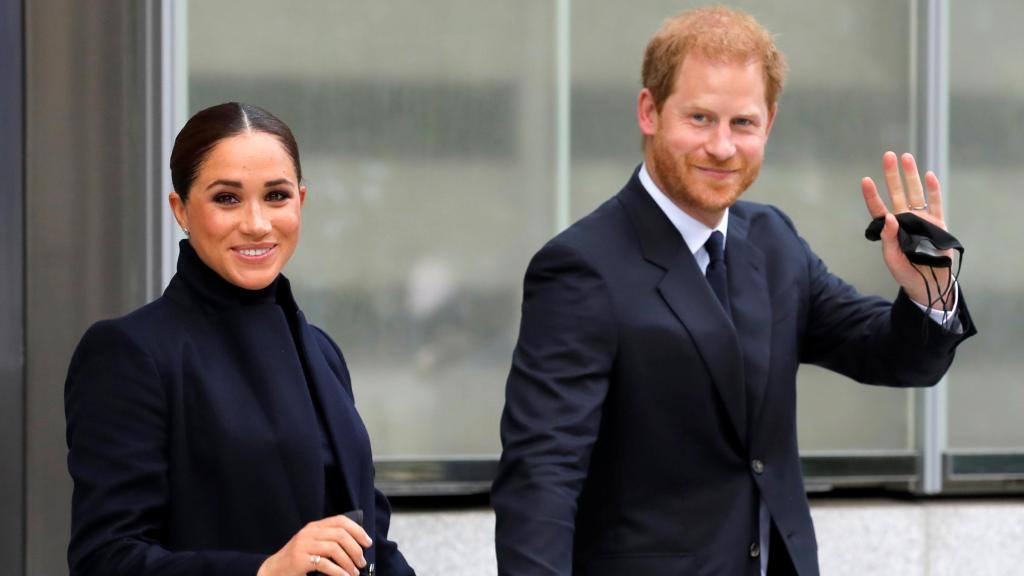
{"points": [[694, 232]]}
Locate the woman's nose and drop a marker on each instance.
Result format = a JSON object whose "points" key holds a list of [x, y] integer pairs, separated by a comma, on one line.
{"points": [[255, 222]]}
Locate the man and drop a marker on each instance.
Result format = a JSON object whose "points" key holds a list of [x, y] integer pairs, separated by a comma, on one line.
{"points": [[650, 424]]}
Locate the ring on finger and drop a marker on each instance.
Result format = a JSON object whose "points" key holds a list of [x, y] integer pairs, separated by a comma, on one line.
{"points": [[921, 207], [315, 560]]}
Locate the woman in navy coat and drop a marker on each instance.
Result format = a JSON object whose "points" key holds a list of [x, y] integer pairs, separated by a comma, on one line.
{"points": [[213, 431]]}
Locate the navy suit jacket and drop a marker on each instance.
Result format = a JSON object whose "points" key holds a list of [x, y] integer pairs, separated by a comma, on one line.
{"points": [[193, 440], [635, 411]]}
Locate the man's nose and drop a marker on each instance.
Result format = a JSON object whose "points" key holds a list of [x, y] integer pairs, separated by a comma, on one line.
{"points": [[255, 222], [720, 144]]}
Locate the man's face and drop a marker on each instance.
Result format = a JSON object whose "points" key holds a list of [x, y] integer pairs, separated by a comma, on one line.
{"points": [[706, 145]]}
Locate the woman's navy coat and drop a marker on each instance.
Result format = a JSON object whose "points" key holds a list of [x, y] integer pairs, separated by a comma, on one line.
{"points": [[194, 442]]}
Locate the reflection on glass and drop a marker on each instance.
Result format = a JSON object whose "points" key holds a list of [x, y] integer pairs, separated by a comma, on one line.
{"points": [[985, 152]]}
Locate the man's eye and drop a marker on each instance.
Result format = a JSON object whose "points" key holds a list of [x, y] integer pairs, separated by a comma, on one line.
{"points": [[278, 196], [225, 199], [699, 117], [743, 122]]}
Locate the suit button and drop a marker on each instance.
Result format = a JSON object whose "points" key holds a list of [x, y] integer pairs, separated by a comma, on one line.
{"points": [[755, 550], [758, 466]]}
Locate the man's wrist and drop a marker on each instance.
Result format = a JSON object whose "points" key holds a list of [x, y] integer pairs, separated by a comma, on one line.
{"points": [[941, 296], [945, 316]]}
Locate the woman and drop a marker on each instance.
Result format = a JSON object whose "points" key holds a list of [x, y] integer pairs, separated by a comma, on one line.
{"points": [[213, 431]]}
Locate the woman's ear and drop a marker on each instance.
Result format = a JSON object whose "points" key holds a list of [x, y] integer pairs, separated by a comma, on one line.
{"points": [[178, 207]]}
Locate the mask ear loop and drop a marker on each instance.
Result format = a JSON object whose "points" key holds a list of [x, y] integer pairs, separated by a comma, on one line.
{"points": [[941, 298], [952, 282], [928, 293], [942, 293]]}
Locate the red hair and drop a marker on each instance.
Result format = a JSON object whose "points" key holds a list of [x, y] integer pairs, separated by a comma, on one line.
{"points": [[716, 33]]}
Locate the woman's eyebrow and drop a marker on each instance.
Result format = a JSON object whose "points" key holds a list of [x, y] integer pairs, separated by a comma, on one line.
{"points": [[232, 183]]}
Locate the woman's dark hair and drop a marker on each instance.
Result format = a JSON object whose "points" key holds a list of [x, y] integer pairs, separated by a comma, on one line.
{"points": [[209, 126]]}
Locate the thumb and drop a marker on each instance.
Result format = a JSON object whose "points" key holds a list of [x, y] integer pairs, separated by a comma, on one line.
{"points": [[891, 227], [890, 243]]}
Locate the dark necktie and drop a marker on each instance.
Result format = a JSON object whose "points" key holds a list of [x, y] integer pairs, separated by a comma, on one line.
{"points": [[716, 269]]}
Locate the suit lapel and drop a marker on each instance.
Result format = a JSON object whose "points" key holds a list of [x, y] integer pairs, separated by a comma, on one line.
{"points": [[687, 293], [751, 310]]}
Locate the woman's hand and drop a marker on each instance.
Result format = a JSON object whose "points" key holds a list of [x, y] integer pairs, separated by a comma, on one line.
{"points": [[332, 546]]}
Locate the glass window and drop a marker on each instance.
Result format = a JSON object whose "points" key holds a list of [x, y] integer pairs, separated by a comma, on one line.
{"points": [[429, 145], [985, 151]]}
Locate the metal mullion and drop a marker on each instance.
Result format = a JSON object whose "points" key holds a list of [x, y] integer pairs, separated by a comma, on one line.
{"points": [[563, 83], [12, 289], [932, 147], [173, 62]]}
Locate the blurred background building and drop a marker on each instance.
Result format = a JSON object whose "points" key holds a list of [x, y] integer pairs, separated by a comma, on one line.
{"points": [[442, 143]]}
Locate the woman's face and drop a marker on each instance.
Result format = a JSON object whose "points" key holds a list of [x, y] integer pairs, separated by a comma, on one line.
{"points": [[243, 212]]}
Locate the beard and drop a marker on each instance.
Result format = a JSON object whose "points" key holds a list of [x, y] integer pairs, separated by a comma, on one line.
{"points": [[692, 191]]}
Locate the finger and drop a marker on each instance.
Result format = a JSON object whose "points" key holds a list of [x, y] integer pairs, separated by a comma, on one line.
{"points": [[890, 229], [914, 190], [349, 526], [327, 566], [890, 244], [312, 557], [345, 541], [337, 557], [934, 197], [876, 207], [893, 182]]}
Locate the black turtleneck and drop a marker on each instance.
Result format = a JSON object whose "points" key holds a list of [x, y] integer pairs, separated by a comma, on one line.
{"points": [[218, 292]]}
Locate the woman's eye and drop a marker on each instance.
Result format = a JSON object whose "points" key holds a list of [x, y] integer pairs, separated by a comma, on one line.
{"points": [[699, 117], [225, 199], [278, 196]]}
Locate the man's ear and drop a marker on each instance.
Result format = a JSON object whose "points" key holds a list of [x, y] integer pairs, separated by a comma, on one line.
{"points": [[771, 119], [647, 113]]}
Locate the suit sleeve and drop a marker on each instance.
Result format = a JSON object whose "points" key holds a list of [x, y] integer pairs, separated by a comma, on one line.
{"points": [[872, 340], [389, 559], [117, 440], [554, 395]]}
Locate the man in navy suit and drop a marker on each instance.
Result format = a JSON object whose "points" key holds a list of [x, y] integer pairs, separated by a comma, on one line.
{"points": [[650, 417]]}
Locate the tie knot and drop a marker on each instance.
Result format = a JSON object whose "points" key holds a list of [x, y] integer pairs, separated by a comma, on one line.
{"points": [[715, 246]]}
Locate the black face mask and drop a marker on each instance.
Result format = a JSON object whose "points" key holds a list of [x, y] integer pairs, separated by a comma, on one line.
{"points": [[921, 241]]}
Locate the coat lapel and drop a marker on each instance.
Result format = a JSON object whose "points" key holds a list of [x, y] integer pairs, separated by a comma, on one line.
{"points": [[274, 382], [687, 293], [339, 411], [751, 310]]}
